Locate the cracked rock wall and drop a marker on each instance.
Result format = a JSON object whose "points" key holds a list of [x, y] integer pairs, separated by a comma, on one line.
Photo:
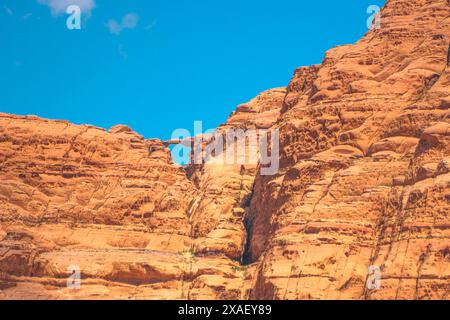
{"points": [[364, 176], [364, 180]]}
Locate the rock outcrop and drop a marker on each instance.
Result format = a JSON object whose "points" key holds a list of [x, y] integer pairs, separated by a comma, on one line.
{"points": [[364, 180], [364, 143]]}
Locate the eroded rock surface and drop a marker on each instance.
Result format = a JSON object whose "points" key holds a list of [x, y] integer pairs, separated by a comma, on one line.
{"points": [[364, 180], [111, 204]]}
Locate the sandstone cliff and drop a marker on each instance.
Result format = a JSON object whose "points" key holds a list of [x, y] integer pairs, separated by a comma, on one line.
{"points": [[364, 180]]}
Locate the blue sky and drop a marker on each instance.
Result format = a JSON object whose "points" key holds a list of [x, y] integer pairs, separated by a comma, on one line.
{"points": [[159, 65]]}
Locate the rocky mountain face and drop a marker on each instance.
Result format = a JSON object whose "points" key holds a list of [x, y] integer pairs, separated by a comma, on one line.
{"points": [[364, 180]]}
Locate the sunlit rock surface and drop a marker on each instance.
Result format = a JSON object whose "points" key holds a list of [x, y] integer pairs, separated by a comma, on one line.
{"points": [[364, 181]]}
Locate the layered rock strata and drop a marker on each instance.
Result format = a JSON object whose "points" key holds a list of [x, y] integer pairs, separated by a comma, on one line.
{"points": [[364, 180]]}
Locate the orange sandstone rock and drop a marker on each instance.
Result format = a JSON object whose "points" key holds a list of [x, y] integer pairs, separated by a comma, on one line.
{"points": [[364, 181]]}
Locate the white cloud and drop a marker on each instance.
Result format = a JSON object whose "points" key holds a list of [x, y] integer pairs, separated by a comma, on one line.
{"points": [[26, 16], [113, 26], [150, 25], [8, 11], [59, 6], [122, 52], [129, 21]]}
